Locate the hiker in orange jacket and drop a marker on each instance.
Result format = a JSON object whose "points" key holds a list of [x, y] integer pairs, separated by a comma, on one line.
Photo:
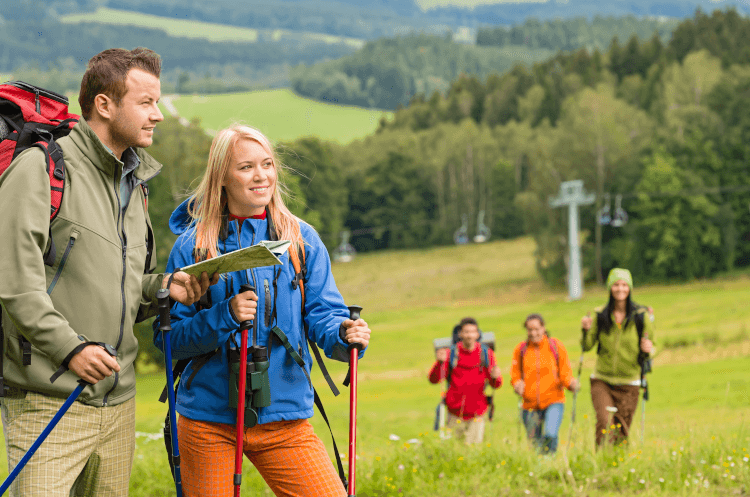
{"points": [[539, 373]]}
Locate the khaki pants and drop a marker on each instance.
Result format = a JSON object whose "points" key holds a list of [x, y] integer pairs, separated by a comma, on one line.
{"points": [[625, 399], [470, 430], [89, 452]]}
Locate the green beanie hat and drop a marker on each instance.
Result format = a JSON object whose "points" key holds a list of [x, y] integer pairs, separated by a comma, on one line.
{"points": [[617, 274]]}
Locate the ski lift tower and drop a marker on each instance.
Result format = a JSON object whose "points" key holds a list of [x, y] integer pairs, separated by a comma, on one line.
{"points": [[573, 195]]}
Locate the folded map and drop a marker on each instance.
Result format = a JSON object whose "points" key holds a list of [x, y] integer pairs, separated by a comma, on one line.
{"points": [[262, 254]]}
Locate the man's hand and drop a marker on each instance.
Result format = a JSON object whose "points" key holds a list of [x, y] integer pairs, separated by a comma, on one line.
{"points": [[519, 387], [495, 372], [186, 289], [244, 305], [92, 364], [357, 332], [441, 355]]}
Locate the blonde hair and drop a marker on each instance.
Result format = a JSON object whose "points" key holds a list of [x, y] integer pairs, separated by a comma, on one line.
{"points": [[208, 201]]}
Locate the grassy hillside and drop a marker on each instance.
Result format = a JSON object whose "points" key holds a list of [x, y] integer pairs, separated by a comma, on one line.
{"points": [[281, 114], [696, 420], [197, 29]]}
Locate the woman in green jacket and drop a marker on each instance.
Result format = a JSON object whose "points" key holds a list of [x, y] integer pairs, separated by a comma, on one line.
{"points": [[622, 329]]}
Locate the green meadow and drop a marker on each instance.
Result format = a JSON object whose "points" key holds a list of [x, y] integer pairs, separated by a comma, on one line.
{"points": [[198, 29], [281, 115], [696, 437]]}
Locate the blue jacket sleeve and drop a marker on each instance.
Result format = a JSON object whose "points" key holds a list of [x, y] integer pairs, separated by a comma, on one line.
{"points": [[195, 332], [325, 309]]}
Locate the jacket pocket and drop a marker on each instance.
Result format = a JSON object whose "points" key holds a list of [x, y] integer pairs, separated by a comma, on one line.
{"points": [[63, 260]]}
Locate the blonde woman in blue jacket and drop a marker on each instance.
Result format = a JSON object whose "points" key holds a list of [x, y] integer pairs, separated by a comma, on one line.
{"points": [[238, 204]]}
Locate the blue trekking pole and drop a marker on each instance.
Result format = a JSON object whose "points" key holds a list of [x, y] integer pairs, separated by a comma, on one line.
{"points": [[165, 326], [51, 426]]}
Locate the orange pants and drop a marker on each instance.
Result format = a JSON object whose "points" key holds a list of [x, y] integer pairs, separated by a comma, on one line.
{"points": [[287, 454]]}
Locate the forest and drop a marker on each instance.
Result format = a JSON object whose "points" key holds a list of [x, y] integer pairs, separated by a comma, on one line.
{"points": [[389, 72]]}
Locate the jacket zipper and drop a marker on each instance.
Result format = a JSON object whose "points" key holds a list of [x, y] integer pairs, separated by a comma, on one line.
{"points": [[124, 244], [63, 260], [268, 302]]}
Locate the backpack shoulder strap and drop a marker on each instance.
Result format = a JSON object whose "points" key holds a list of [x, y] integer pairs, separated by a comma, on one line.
{"points": [[524, 345], [554, 348], [638, 319], [300, 273], [452, 362], [485, 356]]}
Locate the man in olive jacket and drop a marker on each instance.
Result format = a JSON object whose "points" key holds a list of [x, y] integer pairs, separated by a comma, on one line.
{"points": [[96, 290]]}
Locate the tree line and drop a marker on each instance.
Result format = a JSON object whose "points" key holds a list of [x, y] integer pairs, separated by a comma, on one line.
{"points": [[578, 32], [390, 72]]}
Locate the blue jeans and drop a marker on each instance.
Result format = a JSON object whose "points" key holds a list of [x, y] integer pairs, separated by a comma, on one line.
{"points": [[542, 426]]}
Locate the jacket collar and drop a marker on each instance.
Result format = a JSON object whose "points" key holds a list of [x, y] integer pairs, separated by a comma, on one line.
{"points": [[542, 343], [104, 159]]}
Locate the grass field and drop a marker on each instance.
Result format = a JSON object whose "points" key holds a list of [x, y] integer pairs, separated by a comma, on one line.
{"points": [[281, 115], [697, 435], [189, 28]]}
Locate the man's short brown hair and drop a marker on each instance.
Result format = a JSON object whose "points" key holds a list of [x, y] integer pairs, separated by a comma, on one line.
{"points": [[107, 71], [468, 320]]}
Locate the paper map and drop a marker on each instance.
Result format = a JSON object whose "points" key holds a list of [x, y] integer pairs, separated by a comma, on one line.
{"points": [[262, 254]]}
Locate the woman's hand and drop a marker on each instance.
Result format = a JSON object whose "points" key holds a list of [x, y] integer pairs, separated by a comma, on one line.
{"points": [[574, 385], [519, 387], [356, 332], [586, 322], [244, 306], [646, 345]]}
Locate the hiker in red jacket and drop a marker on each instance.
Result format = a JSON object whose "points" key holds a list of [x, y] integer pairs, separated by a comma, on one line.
{"points": [[467, 367]]}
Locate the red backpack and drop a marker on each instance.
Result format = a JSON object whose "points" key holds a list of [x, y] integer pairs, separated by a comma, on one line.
{"points": [[35, 117]]}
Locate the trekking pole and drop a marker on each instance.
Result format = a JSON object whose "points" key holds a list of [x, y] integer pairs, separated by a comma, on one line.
{"points": [[242, 388], [354, 348], [48, 429], [645, 369], [575, 394], [165, 326]]}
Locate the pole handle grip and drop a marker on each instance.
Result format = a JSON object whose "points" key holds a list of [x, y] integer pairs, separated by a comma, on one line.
{"points": [[246, 287], [354, 314], [162, 297]]}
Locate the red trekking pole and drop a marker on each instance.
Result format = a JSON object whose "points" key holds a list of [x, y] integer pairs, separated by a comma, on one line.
{"points": [[354, 349], [242, 388]]}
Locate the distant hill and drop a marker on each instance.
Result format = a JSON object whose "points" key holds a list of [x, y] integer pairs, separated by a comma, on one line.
{"points": [[508, 12]]}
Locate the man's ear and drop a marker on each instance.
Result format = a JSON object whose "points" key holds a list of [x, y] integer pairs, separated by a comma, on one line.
{"points": [[102, 107]]}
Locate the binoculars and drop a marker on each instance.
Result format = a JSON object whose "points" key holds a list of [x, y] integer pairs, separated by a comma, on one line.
{"points": [[258, 391], [257, 386]]}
